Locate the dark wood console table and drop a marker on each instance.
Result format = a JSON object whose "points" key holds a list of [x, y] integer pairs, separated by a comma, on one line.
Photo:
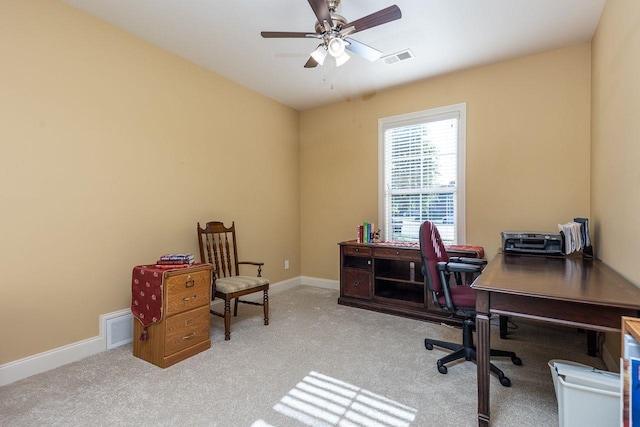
{"points": [[574, 292], [387, 277]]}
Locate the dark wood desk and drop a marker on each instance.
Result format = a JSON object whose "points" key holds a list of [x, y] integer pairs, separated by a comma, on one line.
{"points": [[574, 292]]}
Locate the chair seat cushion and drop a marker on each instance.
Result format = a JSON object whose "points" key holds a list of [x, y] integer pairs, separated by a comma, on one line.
{"points": [[228, 285], [464, 297]]}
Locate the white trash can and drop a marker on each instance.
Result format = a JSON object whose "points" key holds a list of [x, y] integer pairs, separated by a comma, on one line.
{"points": [[586, 396]]}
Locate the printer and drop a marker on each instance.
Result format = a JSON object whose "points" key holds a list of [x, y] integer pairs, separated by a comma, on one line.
{"points": [[532, 242]]}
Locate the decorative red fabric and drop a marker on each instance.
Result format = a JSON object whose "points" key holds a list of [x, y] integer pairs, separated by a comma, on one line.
{"points": [[399, 244], [479, 250], [146, 294]]}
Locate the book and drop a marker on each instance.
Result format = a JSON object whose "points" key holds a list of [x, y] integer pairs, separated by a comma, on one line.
{"points": [[172, 266], [176, 259], [365, 232]]}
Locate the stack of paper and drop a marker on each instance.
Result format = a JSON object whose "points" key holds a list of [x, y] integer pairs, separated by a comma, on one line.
{"points": [[576, 235]]}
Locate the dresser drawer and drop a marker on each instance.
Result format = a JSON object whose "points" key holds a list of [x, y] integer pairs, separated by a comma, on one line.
{"points": [[187, 291], [394, 253], [356, 283], [186, 329], [357, 250]]}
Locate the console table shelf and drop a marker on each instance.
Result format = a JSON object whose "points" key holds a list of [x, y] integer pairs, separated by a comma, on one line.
{"points": [[388, 278], [398, 276]]}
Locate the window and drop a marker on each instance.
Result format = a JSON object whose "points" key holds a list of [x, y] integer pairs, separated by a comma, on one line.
{"points": [[421, 173]]}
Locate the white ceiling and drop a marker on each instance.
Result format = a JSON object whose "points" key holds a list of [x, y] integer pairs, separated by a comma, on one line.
{"points": [[444, 36]]}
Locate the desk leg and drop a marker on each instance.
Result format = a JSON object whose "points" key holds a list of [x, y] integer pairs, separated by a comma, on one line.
{"points": [[483, 329], [504, 326]]}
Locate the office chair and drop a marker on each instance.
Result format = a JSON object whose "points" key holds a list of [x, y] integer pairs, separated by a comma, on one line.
{"points": [[218, 248], [457, 298]]}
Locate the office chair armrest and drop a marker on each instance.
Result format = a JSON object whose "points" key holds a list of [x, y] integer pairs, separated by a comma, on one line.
{"points": [[464, 260], [445, 270], [458, 267]]}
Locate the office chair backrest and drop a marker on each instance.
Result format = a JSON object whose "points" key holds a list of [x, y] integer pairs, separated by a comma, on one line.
{"points": [[432, 251]]}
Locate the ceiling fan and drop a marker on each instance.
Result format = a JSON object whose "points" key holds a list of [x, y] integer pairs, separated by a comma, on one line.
{"points": [[332, 31]]}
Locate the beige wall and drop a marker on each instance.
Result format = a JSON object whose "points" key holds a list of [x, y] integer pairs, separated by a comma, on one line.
{"points": [[615, 148], [112, 150], [527, 153], [615, 131]]}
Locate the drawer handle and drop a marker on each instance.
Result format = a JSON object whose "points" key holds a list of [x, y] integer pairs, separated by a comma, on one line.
{"points": [[188, 337], [397, 252], [357, 250], [185, 299], [190, 283], [356, 283]]}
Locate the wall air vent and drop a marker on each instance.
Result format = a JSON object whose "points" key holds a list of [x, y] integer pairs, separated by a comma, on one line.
{"points": [[404, 55], [119, 328]]}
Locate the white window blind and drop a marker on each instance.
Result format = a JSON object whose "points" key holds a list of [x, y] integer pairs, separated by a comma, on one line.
{"points": [[421, 173]]}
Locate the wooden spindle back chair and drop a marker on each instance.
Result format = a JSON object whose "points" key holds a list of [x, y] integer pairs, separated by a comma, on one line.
{"points": [[218, 247]]}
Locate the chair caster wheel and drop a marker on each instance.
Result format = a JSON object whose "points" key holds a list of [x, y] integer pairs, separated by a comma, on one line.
{"points": [[516, 361], [428, 345], [442, 369], [506, 382]]}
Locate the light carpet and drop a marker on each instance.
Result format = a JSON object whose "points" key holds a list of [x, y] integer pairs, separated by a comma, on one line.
{"points": [[317, 363]]}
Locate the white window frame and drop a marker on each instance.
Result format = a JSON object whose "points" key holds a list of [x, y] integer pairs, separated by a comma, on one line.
{"points": [[433, 114]]}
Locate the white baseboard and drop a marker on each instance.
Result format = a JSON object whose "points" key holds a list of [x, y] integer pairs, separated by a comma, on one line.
{"points": [[23, 368], [31, 365], [321, 283]]}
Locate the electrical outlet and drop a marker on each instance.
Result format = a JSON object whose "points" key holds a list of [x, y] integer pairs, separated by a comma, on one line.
{"points": [[286, 264]]}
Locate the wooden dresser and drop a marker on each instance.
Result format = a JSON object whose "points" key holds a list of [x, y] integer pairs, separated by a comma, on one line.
{"points": [[182, 329]]}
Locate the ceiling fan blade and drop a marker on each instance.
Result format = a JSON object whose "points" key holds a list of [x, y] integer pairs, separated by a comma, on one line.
{"points": [[362, 49], [380, 17], [286, 34], [311, 63], [321, 10]]}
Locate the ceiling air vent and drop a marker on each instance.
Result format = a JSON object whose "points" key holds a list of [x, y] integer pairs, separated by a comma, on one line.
{"points": [[398, 57]]}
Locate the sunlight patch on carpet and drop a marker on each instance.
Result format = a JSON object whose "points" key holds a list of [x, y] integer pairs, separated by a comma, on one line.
{"points": [[319, 400]]}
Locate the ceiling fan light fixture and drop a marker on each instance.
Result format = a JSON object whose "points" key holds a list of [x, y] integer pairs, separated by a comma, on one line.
{"points": [[319, 54], [342, 59], [336, 47]]}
